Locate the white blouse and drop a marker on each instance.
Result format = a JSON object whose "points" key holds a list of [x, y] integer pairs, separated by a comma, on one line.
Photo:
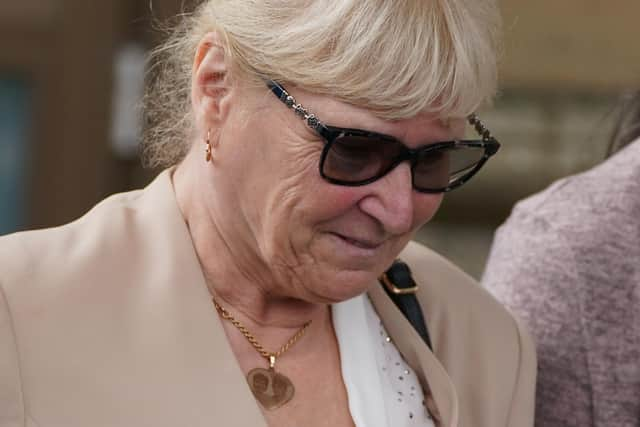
{"points": [[382, 389]]}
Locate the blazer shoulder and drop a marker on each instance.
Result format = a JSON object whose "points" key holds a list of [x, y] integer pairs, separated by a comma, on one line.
{"points": [[12, 408], [453, 292], [27, 255]]}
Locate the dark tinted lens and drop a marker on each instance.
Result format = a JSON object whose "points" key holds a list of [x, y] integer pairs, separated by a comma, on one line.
{"points": [[354, 158], [438, 169]]}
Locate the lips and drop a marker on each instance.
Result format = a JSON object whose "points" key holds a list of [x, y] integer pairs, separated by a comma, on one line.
{"points": [[360, 242]]}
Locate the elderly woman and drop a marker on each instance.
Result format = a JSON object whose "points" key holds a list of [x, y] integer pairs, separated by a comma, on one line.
{"points": [[241, 287]]}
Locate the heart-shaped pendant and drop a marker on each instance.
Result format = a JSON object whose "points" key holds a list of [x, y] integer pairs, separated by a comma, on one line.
{"points": [[270, 388]]}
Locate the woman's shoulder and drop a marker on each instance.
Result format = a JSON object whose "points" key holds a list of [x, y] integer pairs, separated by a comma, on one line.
{"points": [[28, 252], [116, 222], [447, 289], [483, 347], [454, 301], [582, 228], [593, 200]]}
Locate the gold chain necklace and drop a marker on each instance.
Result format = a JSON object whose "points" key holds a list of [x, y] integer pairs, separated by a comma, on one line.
{"points": [[270, 388]]}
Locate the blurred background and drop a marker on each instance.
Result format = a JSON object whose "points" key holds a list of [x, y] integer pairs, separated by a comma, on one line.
{"points": [[72, 74]]}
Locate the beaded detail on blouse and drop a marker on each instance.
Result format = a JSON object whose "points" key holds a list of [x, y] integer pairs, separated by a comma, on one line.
{"points": [[382, 389]]}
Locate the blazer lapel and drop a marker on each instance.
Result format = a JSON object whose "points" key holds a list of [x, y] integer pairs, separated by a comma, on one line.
{"points": [[187, 302], [429, 370]]}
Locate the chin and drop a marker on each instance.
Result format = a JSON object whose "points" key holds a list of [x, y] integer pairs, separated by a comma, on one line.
{"points": [[342, 285]]}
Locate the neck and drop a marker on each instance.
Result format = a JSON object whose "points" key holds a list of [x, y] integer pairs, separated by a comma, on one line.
{"points": [[233, 270]]}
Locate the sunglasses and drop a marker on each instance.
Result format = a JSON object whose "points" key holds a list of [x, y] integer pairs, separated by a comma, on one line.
{"points": [[354, 157]]}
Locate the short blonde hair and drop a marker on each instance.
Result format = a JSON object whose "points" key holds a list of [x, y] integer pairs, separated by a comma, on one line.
{"points": [[396, 58]]}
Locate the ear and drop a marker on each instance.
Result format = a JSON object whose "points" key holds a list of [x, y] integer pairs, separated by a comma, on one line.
{"points": [[211, 85]]}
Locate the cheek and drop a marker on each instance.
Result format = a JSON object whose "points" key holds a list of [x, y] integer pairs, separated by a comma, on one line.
{"points": [[425, 207], [333, 200]]}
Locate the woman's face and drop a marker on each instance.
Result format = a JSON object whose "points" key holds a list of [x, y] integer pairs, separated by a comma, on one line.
{"points": [[318, 241]]}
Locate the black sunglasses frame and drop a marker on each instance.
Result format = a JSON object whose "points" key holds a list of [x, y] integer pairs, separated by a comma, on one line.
{"points": [[331, 133]]}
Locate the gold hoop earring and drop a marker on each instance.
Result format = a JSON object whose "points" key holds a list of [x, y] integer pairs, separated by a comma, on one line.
{"points": [[207, 150]]}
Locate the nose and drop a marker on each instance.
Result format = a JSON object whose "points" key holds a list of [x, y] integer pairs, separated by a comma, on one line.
{"points": [[391, 200]]}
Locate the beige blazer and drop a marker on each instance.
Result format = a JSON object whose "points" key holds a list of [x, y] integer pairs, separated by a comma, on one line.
{"points": [[107, 321]]}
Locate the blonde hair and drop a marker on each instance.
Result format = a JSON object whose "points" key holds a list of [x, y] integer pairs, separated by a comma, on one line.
{"points": [[396, 58]]}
